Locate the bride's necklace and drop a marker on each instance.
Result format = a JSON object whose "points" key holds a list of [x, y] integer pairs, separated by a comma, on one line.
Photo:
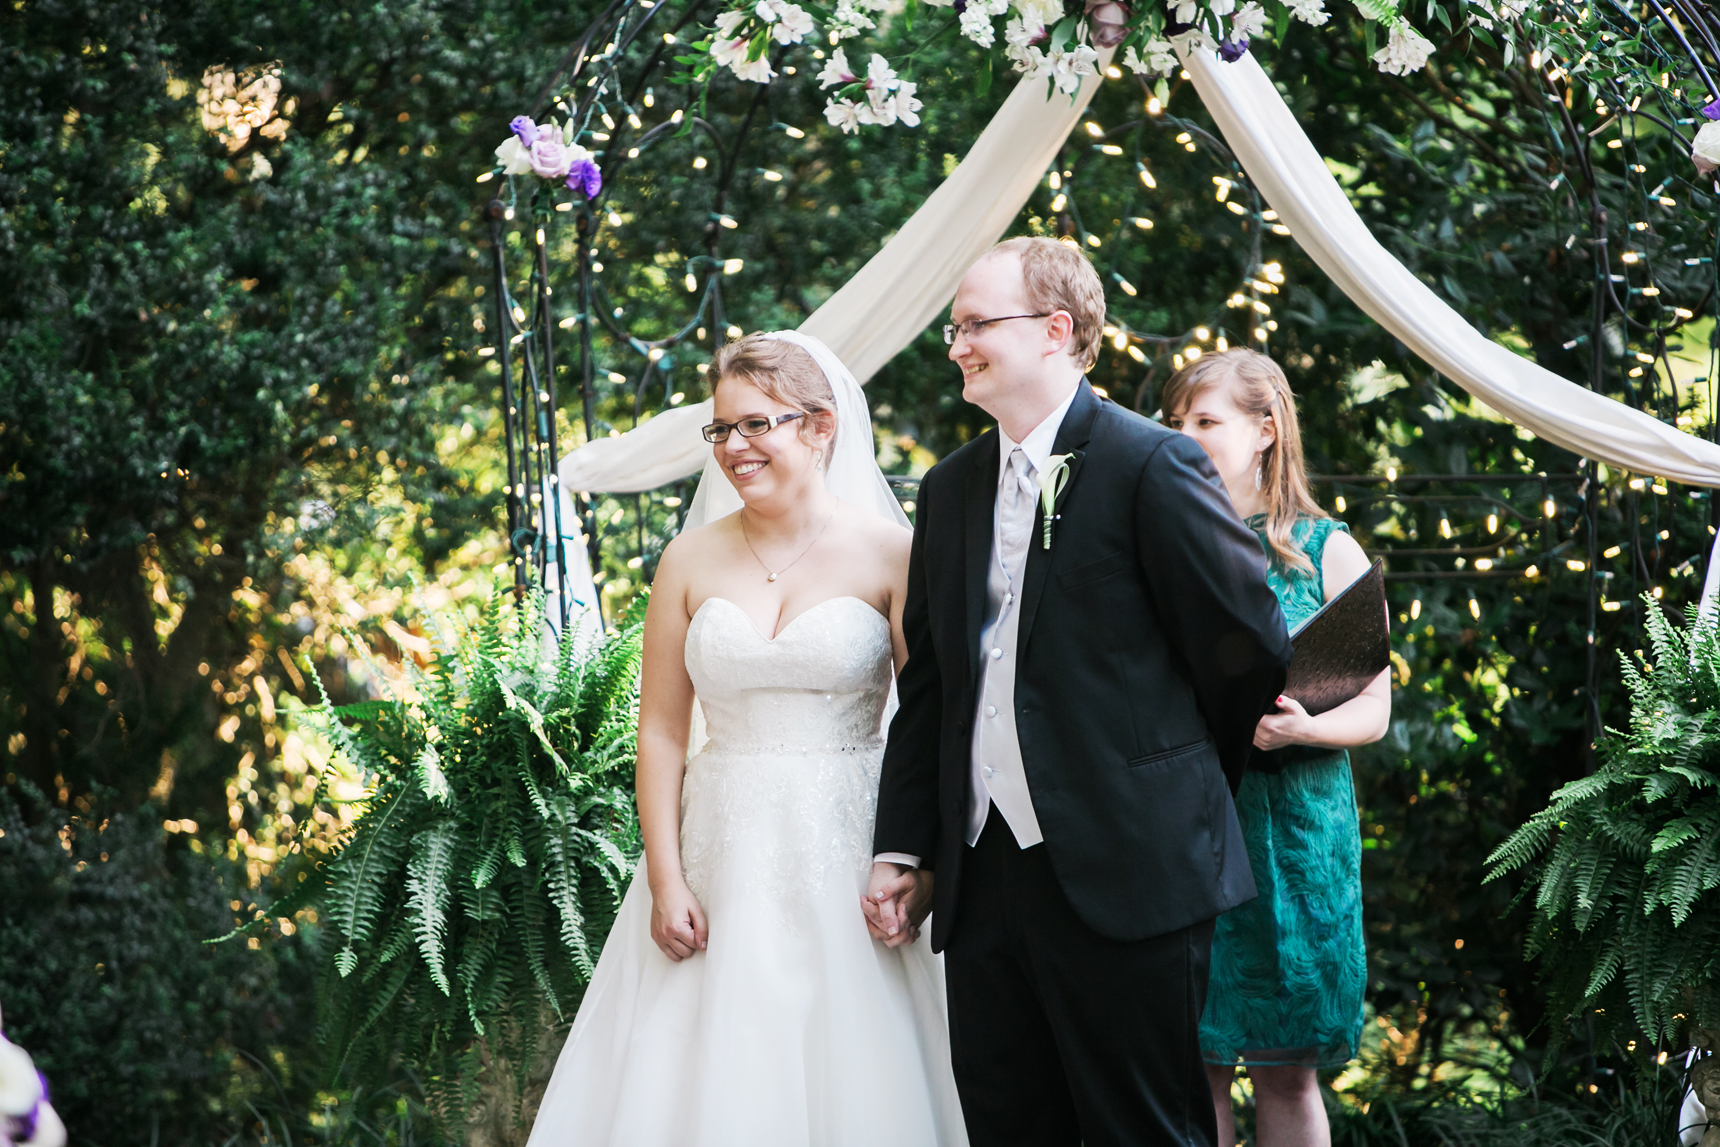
{"points": [[770, 574]]}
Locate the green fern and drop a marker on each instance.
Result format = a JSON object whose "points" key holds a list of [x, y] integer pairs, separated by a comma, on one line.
{"points": [[470, 899], [1622, 867]]}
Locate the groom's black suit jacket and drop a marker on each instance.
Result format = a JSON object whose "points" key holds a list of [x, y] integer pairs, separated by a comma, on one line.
{"points": [[1149, 646]]}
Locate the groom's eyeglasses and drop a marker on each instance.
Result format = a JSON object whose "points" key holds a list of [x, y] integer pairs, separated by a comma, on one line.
{"points": [[718, 432], [971, 327]]}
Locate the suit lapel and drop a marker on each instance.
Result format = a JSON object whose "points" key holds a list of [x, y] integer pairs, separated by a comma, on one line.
{"points": [[1077, 428], [979, 511]]}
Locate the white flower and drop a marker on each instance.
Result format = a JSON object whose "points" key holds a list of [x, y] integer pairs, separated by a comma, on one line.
{"points": [[733, 55], [1044, 13], [1160, 59], [514, 156], [976, 26], [728, 52], [1705, 148], [880, 76], [1032, 64], [1249, 21], [1018, 37], [903, 104], [878, 109], [1185, 11], [848, 21], [1405, 52], [757, 71], [836, 70], [1223, 7], [844, 114], [729, 22], [790, 22], [1309, 11], [1068, 65]]}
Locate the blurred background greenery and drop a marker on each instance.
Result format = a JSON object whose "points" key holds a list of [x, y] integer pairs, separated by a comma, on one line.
{"points": [[245, 426]]}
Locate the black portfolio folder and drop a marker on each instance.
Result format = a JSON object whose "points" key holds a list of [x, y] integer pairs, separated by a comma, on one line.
{"points": [[1337, 652], [1343, 646]]}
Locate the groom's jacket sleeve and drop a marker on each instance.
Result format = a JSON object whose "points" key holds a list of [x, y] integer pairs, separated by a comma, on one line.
{"points": [[1207, 574], [908, 787]]}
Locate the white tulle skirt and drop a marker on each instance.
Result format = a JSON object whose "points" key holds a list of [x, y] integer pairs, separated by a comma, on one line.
{"points": [[794, 1028]]}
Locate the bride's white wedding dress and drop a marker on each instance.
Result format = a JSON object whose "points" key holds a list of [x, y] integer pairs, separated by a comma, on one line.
{"points": [[794, 1028]]}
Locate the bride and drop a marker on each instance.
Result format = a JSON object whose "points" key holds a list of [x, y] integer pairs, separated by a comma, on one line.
{"points": [[740, 998]]}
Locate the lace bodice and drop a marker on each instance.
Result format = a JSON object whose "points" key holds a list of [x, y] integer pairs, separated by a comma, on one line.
{"points": [[819, 685]]}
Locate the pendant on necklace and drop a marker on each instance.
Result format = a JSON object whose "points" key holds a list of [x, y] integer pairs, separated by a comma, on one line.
{"points": [[770, 577]]}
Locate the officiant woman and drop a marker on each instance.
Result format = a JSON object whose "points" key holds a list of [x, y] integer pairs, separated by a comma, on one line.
{"points": [[1288, 968]]}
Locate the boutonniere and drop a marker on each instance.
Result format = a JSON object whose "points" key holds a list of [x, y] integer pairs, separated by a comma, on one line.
{"points": [[1052, 479]]}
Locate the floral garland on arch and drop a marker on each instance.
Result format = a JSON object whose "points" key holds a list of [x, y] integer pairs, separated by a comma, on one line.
{"points": [[1041, 40]]}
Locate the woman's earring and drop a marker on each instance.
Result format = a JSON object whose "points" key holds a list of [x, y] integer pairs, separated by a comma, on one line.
{"points": [[1258, 470]]}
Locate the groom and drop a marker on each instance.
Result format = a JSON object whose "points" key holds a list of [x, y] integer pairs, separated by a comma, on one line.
{"points": [[1074, 719]]}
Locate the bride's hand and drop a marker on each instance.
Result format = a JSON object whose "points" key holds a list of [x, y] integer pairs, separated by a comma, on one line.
{"points": [[677, 922], [897, 899]]}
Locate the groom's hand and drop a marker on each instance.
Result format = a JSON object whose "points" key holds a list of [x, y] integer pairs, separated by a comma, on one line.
{"points": [[897, 899]]}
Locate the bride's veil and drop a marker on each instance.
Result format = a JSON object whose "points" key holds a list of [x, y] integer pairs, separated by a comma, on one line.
{"points": [[851, 473]]}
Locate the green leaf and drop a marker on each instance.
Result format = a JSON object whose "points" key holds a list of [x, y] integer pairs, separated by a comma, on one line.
{"points": [[429, 882]]}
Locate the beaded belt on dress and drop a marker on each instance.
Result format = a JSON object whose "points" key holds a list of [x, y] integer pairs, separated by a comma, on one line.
{"points": [[868, 745]]}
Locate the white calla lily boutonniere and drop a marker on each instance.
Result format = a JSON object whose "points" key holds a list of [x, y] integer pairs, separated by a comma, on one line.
{"points": [[1052, 479]]}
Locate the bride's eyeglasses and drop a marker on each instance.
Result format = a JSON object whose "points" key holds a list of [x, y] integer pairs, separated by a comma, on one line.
{"points": [[971, 327], [718, 432]]}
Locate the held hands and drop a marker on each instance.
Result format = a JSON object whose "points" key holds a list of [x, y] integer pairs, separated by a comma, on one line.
{"points": [[677, 921], [1291, 725], [897, 899]]}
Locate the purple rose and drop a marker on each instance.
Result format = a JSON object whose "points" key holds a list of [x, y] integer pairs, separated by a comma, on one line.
{"points": [[1712, 111], [584, 177], [523, 127], [1108, 21], [549, 157], [1231, 51]]}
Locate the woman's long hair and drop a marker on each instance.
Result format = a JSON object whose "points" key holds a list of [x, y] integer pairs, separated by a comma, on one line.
{"points": [[1259, 388]]}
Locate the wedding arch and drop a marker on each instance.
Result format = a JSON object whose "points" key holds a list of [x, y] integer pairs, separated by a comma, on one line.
{"points": [[912, 278]]}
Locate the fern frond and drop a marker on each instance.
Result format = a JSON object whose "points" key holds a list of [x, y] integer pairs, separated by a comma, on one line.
{"points": [[429, 879], [360, 879]]}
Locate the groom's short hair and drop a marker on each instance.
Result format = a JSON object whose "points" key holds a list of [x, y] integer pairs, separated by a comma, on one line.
{"points": [[1060, 278]]}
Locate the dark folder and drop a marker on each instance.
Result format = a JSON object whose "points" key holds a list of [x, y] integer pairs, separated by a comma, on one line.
{"points": [[1343, 647], [1337, 652]]}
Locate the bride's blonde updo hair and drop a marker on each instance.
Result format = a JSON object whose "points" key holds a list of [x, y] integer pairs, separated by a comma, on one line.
{"points": [[785, 372], [1258, 387]]}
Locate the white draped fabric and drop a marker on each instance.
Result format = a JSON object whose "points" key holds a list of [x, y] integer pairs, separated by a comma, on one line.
{"points": [[1292, 177], [890, 300], [905, 285]]}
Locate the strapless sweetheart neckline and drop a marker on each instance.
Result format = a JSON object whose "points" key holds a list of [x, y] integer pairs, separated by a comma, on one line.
{"points": [[870, 608]]}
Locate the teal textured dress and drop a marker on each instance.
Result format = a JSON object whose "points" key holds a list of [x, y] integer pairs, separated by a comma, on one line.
{"points": [[1289, 968]]}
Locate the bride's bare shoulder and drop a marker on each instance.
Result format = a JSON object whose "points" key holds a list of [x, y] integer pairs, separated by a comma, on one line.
{"points": [[690, 549], [877, 533]]}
